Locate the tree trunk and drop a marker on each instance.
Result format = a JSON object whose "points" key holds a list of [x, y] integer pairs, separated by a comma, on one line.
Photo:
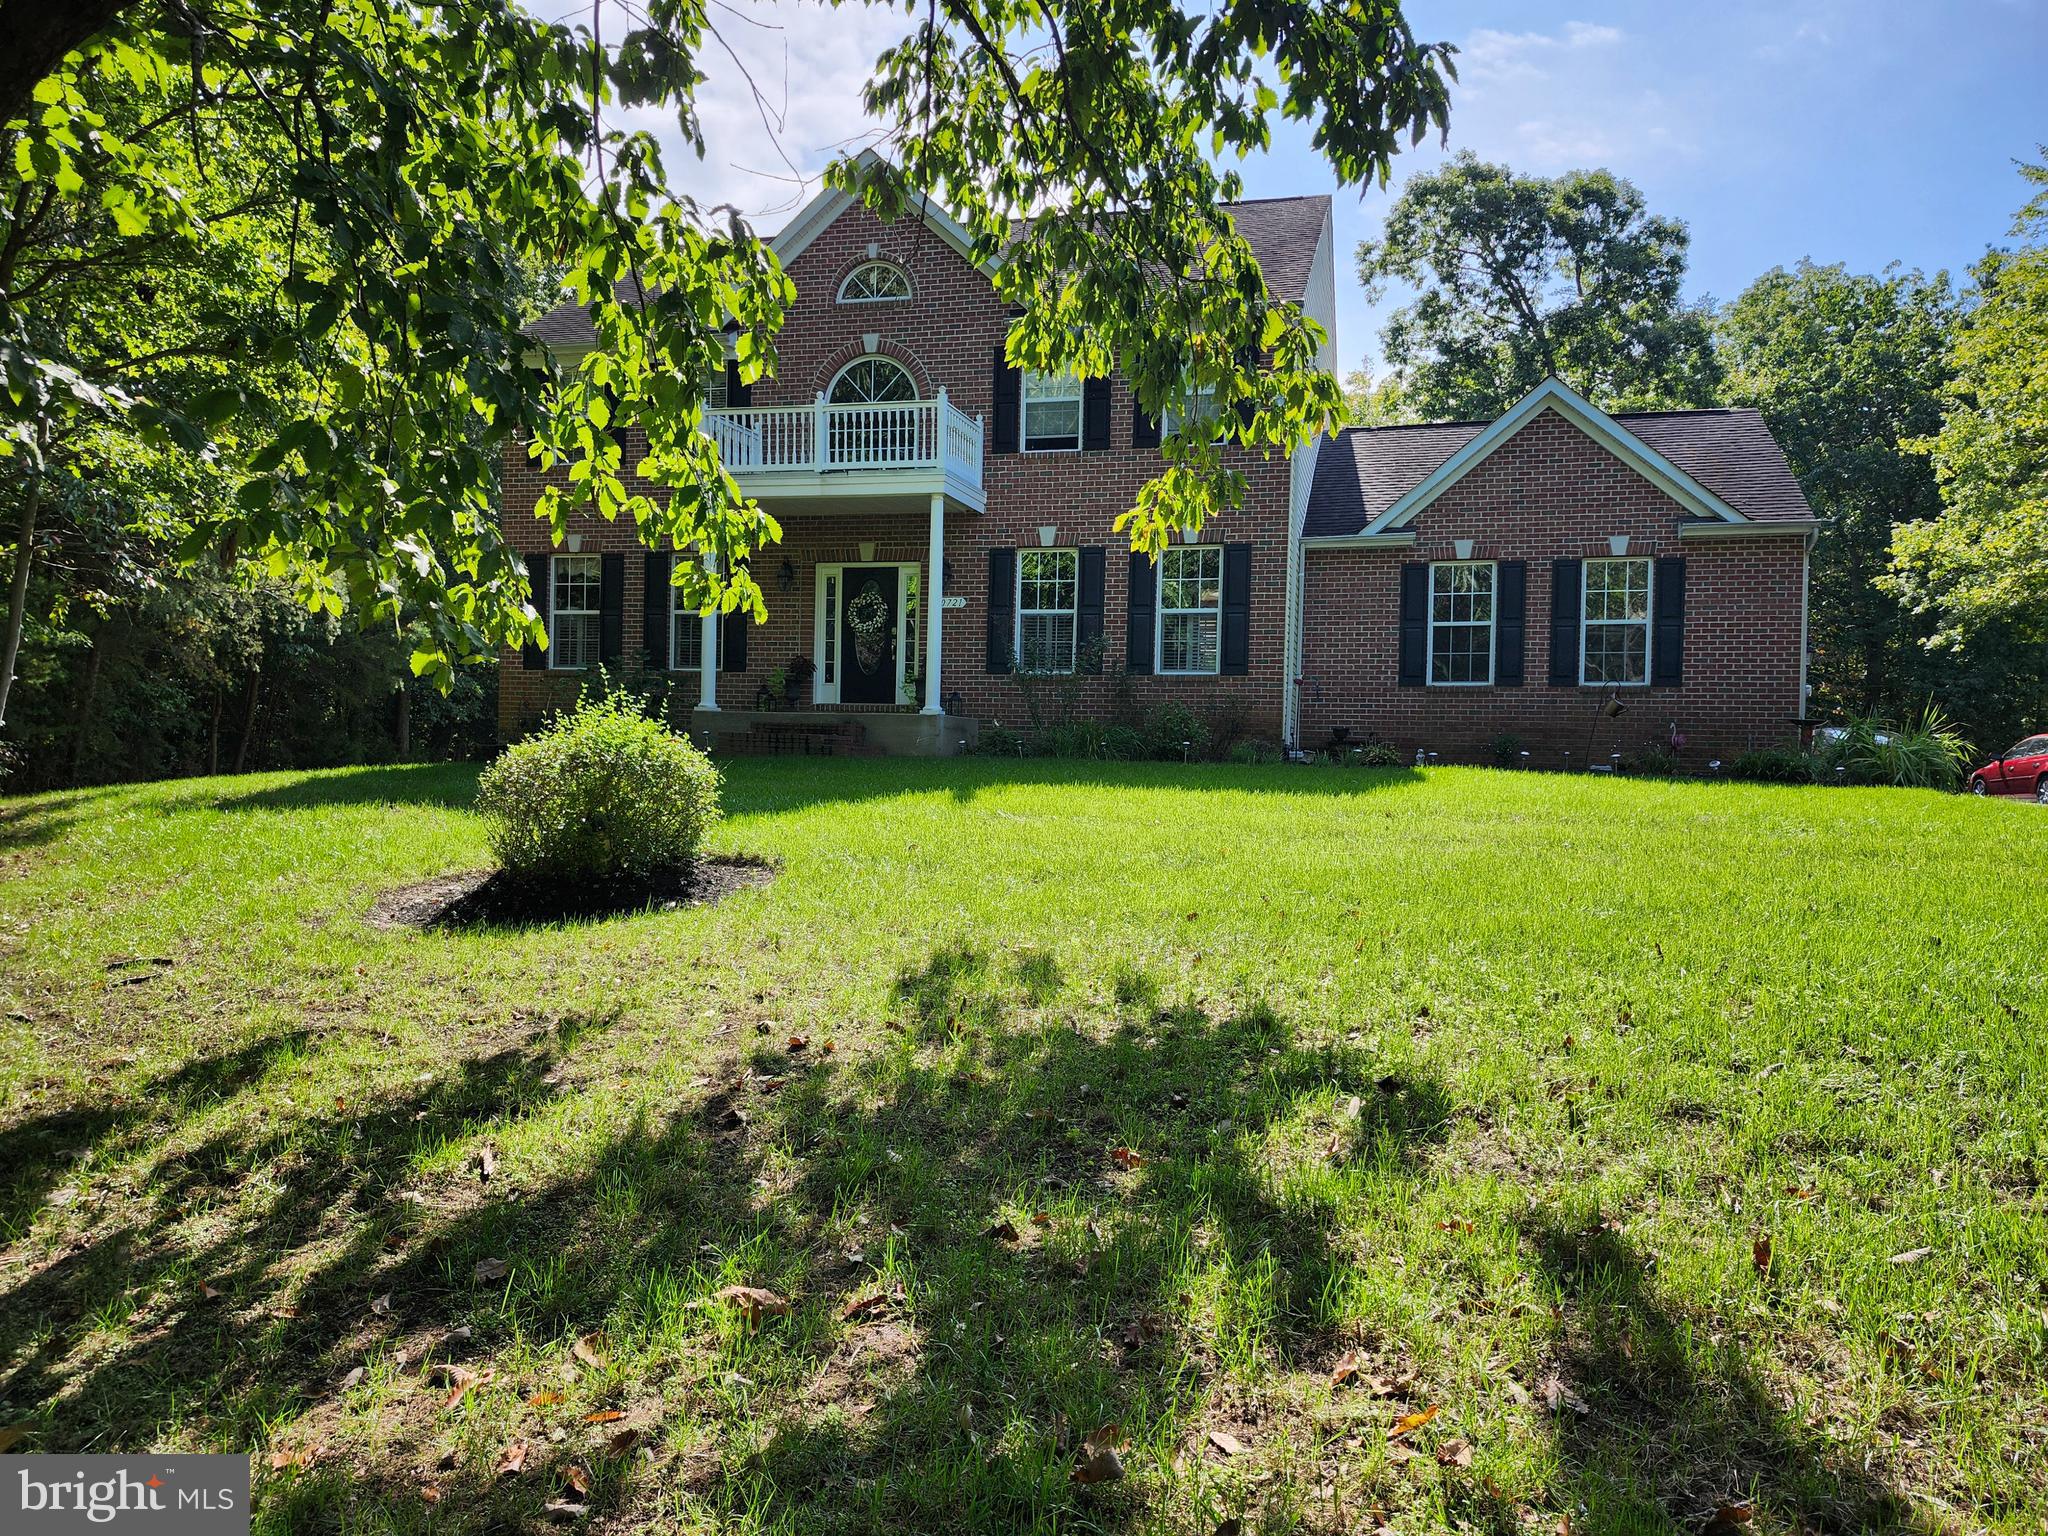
{"points": [[34, 37], [248, 722], [404, 722], [17, 596], [81, 729], [213, 737]]}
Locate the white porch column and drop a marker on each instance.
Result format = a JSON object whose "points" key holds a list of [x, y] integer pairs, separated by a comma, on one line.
{"points": [[935, 605], [707, 687]]}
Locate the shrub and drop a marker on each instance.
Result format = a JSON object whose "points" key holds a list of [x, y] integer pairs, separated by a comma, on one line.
{"points": [[1772, 765], [1928, 754], [604, 794], [1253, 753], [1507, 750], [1380, 754], [1173, 731], [1123, 743], [1657, 760], [998, 741]]}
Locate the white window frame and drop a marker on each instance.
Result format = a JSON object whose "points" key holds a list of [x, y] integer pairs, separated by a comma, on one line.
{"points": [[1161, 613], [875, 298], [1019, 611], [1490, 624], [1645, 623], [557, 613], [683, 621], [1025, 402]]}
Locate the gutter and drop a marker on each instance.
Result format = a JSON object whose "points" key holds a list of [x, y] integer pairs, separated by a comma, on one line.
{"points": [[1692, 533], [1404, 538]]}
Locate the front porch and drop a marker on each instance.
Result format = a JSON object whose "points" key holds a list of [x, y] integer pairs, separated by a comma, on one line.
{"points": [[850, 731]]}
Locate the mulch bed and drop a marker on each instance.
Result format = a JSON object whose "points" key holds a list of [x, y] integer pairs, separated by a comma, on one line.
{"points": [[492, 898]]}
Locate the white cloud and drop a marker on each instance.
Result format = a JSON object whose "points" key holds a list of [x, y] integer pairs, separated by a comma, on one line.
{"points": [[1491, 56]]}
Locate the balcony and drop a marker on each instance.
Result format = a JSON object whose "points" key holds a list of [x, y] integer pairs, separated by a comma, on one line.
{"points": [[869, 455]]}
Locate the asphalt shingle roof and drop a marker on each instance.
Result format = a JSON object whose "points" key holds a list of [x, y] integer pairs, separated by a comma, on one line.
{"points": [[1282, 231], [1362, 471]]}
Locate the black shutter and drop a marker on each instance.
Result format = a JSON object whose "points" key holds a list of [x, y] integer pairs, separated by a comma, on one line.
{"points": [[540, 575], [1248, 359], [1414, 624], [1138, 629], [611, 606], [1564, 623], [1667, 644], [659, 610], [1237, 610], [1144, 429], [1088, 613], [732, 640], [1094, 414], [1007, 391], [1510, 615], [737, 394], [1002, 609]]}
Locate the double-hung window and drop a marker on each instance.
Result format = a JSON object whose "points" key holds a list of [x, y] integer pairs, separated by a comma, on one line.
{"points": [[1190, 608], [1614, 637], [1052, 411], [1195, 405], [685, 635], [1048, 602], [1461, 623], [574, 639]]}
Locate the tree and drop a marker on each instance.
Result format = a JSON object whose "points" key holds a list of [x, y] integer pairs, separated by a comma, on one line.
{"points": [[1981, 566], [1522, 278], [1375, 403], [1847, 370], [419, 159]]}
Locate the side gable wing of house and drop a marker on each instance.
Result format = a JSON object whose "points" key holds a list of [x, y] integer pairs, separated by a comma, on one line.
{"points": [[1590, 419]]}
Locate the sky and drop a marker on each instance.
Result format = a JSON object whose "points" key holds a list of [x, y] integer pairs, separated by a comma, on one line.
{"points": [[1860, 131]]}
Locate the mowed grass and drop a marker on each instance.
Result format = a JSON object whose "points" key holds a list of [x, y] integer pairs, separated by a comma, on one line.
{"points": [[1679, 1148]]}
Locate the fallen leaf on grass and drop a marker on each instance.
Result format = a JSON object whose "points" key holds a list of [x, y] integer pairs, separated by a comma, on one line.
{"points": [[1801, 1191], [862, 1305], [753, 1301], [1555, 1395], [353, 1378], [603, 1416], [799, 1042], [429, 1494], [1125, 1158], [491, 1269], [1003, 1232], [543, 1399], [1760, 1254], [1353, 1107], [1727, 1519], [585, 1349], [1910, 1256], [565, 1508], [1099, 1461], [486, 1163], [460, 1379], [622, 1442], [1454, 1453], [1347, 1368], [207, 1292], [1225, 1442], [576, 1478], [1455, 1224], [511, 1460], [299, 1457], [1408, 1423]]}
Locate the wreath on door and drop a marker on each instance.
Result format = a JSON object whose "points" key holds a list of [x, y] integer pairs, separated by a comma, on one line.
{"points": [[868, 617]]}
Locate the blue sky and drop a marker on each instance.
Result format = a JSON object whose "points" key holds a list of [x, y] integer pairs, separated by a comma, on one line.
{"points": [[1863, 131]]}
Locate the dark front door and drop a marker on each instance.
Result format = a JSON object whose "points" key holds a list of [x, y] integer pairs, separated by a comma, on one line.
{"points": [[867, 636]]}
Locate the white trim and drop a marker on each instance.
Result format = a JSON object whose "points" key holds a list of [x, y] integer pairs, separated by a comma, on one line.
{"points": [[1160, 612], [1589, 418], [556, 613], [817, 216], [1017, 611], [1759, 528], [677, 624], [1805, 619], [1404, 538], [870, 359], [823, 692], [869, 263], [1648, 620], [1429, 677], [1025, 402]]}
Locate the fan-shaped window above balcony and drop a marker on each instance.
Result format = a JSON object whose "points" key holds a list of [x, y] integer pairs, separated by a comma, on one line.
{"points": [[875, 282], [873, 381]]}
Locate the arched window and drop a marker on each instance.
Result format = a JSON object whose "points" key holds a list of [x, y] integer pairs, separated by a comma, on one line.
{"points": [[875, 282], [872, 381]]}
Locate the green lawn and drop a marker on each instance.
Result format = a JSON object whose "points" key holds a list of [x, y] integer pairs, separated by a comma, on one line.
{"points": [[1496, 1083]]}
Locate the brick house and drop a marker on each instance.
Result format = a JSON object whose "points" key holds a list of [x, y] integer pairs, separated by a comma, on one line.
{"points": [[947, 524]]}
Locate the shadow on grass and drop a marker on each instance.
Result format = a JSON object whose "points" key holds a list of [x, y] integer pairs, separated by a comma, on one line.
{"points": [[1677, 1432], [441, 784]]}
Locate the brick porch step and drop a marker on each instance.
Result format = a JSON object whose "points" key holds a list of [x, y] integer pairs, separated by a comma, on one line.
{"points": [[801, 738]]}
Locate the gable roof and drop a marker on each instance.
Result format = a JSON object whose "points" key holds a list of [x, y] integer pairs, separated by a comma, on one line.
{"points": [[1283, 233], [1719, 465]]}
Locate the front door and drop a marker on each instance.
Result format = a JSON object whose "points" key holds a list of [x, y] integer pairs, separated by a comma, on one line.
{"points": [[867, 635]]}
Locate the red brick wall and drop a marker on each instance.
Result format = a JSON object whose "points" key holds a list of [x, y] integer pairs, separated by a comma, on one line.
{"points": [[1549, 493], [946, 335]]}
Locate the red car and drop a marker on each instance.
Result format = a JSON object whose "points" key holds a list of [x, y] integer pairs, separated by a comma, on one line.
{"points": [[2019, 770]]}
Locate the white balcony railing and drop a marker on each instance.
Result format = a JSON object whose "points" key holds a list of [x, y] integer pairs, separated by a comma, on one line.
{"points": [[820, 437]]}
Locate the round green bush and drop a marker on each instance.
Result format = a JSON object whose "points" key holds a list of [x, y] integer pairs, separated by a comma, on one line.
{"points": [[602, 795]]}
